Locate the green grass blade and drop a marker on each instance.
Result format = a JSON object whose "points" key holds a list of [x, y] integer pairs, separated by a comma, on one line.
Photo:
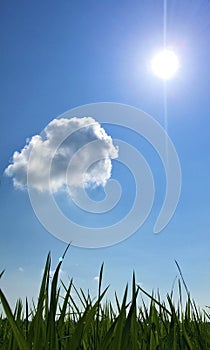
{"points": [[61, 320], [51, 325], [15, 328], [98, 306], [37, 330], [1, 273], [153, 299]]}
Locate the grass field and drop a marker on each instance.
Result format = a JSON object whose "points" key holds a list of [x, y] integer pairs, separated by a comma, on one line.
{"points": [[57, 322]]}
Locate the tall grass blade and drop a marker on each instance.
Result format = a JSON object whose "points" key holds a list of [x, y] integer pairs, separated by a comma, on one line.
{"points": [[153, 299], [15, 328], [1, 273]]}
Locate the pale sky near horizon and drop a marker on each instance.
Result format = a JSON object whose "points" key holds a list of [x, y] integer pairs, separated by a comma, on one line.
{"points": [[55, 56]]}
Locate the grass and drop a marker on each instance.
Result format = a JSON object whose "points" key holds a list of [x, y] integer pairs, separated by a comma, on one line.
{"points": [[58, 323]]}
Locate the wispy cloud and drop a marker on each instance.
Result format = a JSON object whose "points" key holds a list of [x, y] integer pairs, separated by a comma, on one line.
{"points": [[82, 172], [21, 269]]}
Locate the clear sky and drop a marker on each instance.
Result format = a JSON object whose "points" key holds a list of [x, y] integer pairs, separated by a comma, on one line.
{"points": [[55, 56]]}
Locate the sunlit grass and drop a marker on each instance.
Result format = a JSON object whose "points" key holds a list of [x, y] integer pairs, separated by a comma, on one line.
{"points": [[56, 322]]}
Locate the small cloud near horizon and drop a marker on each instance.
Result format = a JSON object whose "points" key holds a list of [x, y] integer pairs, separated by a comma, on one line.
{"points": [[52, 271]]}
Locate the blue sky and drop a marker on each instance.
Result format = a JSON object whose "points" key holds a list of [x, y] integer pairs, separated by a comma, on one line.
{"points": [[57, 56]]}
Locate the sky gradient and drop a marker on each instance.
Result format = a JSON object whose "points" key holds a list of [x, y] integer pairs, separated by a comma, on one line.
{"points": [[57, 56]]}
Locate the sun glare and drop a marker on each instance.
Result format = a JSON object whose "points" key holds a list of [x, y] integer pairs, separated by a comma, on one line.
{"points": [[165, 64]]}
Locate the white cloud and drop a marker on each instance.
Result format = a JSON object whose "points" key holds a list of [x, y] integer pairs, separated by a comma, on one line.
{"points": [[79, 147], [96, 278], [52, 271], [21, 269]]}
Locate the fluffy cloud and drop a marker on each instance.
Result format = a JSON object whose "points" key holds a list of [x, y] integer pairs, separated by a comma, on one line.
{"points": [[75, 152]]}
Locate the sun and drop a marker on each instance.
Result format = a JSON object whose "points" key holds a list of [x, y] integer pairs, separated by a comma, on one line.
{"points": [[165, 64]]}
